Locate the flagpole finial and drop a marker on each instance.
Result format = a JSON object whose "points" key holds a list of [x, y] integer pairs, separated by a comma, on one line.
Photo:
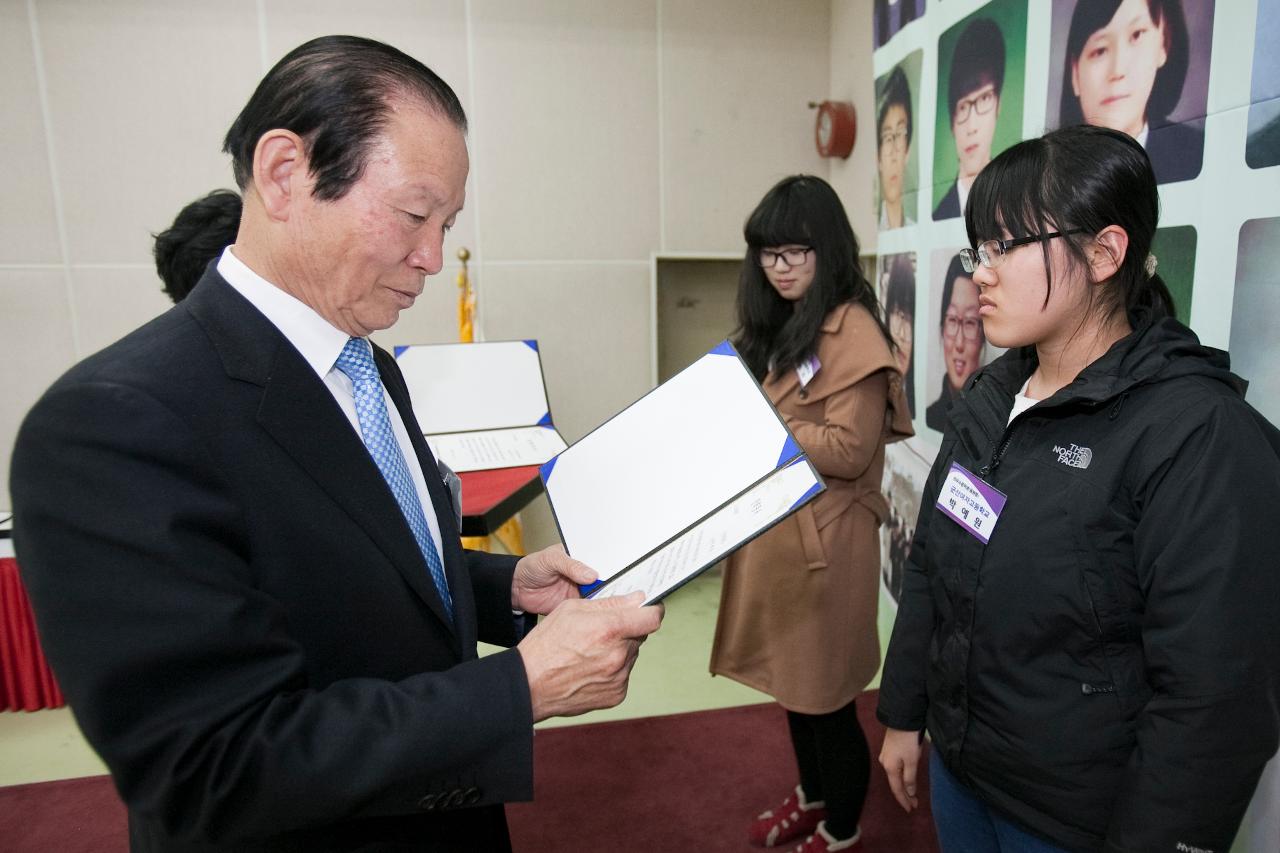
{"points": [[466, 300]]}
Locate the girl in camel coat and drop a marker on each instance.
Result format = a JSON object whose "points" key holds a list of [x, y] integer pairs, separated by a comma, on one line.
{"points": [[798, 607]]}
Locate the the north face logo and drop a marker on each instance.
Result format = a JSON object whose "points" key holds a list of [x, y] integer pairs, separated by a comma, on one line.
{"points": [[1074, 455]]}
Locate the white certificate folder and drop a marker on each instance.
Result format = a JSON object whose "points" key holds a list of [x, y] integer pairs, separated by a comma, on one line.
{"points": [[679, 479], [481, 406]]}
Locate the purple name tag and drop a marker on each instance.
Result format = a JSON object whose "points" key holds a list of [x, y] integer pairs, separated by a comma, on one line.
{"points": [[971, 502], [807, 370]]}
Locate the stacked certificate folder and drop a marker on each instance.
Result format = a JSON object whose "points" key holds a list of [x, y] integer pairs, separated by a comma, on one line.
{"points": [[678, 480], [481, 406]]}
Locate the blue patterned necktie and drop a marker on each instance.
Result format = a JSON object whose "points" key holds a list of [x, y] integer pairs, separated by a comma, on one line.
{"points": [[356, 361]]}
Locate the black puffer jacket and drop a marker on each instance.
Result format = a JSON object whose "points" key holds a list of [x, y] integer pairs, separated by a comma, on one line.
{"points": [[1104, 671]]}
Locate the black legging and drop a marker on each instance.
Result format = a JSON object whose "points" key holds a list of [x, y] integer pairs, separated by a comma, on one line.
{"points": [[835, 764]]}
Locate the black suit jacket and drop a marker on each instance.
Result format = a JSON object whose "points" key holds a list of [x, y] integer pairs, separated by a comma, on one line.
{"points": [[949, 207], [1176, 151], [238, 613]]}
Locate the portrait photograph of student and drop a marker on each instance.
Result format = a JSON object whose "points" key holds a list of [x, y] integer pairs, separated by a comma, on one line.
{"points": [[1255, 314], [1255, 352], [798, 604], [961, 342], [1175, 246], [980, 85], [896, 159], [1262, 148], [906, 467], [890, 16], [898, 294], [1087, 623], [1138, 66]]}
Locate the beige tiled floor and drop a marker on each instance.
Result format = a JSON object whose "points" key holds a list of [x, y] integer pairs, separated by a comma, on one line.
{"points": [[43, 745]]}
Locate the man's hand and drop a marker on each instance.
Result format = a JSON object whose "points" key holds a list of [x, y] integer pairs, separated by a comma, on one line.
{"points": [[900, 758], [547, 577], [579, 658]]}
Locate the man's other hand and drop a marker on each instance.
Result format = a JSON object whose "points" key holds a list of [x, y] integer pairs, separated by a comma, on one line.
{"points": [[545, 578], [579, 658]]}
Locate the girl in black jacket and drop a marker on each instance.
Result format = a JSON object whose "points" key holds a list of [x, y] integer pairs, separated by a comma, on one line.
{"points": [[1087, 625]]}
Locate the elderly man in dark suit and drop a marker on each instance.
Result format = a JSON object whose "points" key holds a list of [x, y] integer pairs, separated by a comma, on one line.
{"points": [[246, 571]]}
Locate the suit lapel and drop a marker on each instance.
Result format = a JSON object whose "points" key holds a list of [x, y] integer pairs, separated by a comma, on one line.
{"points": [[450, 537], [301, 415]]}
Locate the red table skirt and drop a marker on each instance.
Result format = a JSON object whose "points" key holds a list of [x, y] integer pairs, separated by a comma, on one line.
{"points": [[490, 498], [26, 682]]}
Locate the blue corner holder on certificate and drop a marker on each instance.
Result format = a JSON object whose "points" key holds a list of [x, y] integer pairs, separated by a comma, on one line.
{"points": [[679, 479]]}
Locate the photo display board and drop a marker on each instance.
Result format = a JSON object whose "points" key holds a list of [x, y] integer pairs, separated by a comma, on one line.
{"points": [[959, 81]]}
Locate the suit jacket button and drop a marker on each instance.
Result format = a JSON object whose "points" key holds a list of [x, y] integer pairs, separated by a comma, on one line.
{"points": [[472, 796], [428, 803], [454, 799]]}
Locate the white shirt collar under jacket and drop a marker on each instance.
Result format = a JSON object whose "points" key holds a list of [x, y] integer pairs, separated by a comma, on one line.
{"points": [[320, 344], [1021, 402], [312, 336]]}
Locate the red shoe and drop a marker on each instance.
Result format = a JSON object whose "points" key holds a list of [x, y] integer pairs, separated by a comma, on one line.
{"points": [[793, 819], [821, 842]]}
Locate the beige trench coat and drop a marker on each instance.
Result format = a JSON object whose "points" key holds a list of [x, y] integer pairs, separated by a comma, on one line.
{"points": [[798, 605]]}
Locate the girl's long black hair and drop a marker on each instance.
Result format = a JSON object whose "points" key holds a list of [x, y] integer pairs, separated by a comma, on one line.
{"points": [[774, 332]]}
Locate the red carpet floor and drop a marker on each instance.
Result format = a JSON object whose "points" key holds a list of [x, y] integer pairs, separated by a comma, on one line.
{"points": [[679, 782], [686, 782]]}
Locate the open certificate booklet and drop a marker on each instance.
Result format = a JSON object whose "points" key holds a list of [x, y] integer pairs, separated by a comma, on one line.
{"points": [[684, 476], [496, 415]]}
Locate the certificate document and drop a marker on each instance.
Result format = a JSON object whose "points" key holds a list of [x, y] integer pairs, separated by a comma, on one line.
{"points": [[715, 537], [486, 449], [683, 476], [481, 405]]}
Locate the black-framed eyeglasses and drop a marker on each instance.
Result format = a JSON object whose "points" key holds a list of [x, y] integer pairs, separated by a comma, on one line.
{"points": [[768, 258], [991, 252], [980, 104], [895, 138], [970, 327]]}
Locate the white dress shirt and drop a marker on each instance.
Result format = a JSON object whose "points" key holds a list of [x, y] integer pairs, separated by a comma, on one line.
{"points": [[320, 344], [962, 191], [1021, 402]]}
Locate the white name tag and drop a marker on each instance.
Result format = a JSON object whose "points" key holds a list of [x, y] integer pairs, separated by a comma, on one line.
{"points": [[806, 370], [971, 502]]}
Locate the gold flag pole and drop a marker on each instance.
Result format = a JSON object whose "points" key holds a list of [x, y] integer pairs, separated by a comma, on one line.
{"points": [[466, 301], [510, 534]]}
